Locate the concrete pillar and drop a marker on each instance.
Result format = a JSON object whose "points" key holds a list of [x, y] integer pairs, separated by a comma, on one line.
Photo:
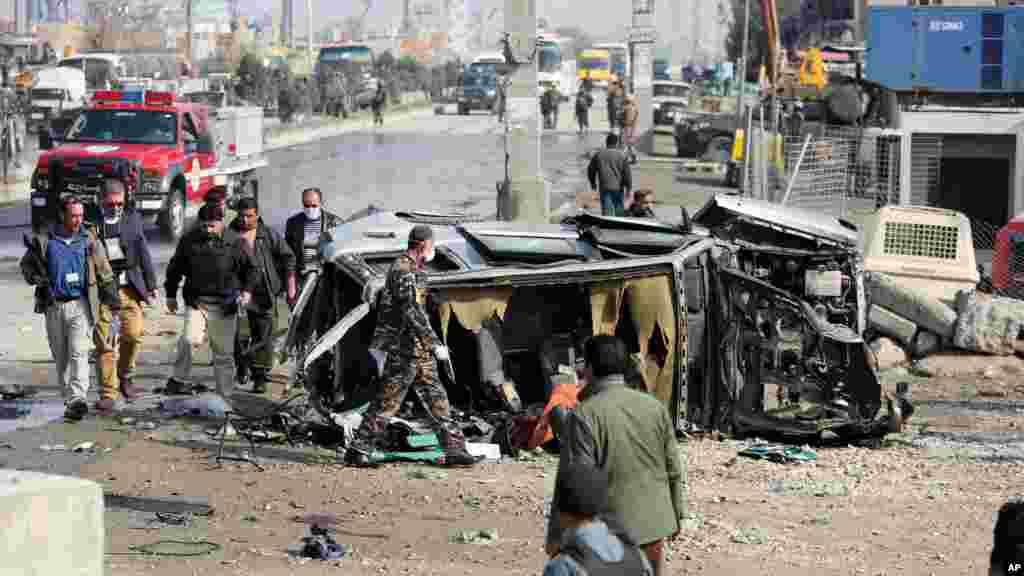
{"points": [[642, 37], [527, 197], [50, 524]]}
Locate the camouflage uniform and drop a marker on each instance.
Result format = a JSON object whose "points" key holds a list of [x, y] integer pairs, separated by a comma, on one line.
{"points": [[404, 333]]}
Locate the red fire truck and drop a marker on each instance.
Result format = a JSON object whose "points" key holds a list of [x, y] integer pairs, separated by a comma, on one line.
{"points": [[171, 153]]}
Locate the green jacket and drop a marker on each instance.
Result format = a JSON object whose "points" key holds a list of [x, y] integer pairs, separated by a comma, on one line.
{"points": [[630, 434]]}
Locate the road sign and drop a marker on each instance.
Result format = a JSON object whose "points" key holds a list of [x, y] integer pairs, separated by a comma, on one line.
{"points": [[643, 34]]}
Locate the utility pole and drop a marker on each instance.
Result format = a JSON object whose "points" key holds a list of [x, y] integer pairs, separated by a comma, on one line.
{"points": [[741, 70], [188, 36], [309, 31], [641, 38], [526, 198]]}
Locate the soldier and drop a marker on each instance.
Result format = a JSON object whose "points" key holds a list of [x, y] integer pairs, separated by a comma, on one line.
{"points": [[407, 346]]}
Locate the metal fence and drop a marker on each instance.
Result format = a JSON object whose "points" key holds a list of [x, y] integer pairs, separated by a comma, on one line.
{"points": [[835, 170]]}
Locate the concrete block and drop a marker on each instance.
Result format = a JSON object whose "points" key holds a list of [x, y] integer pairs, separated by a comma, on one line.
{"points": [[891, 324], [50, 525]]}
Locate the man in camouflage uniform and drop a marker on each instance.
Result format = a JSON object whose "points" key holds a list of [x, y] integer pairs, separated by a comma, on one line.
{"points": [[406, 349]]}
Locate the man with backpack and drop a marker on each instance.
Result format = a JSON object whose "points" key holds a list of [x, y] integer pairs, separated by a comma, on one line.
{"points": [[591, 545]]}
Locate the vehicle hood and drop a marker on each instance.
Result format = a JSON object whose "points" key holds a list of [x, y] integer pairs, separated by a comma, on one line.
{"points": [[150, 155], [724, 209]]}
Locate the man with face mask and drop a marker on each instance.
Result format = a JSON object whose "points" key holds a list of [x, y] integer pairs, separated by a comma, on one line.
{"points": [[122, 236], [275, 264], [303, 230], [409, 349]]}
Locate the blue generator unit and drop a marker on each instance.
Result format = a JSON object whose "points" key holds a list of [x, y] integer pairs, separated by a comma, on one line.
{"points": [[946, 50]]}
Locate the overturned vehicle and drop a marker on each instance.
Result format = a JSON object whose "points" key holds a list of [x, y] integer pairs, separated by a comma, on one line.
{"points": [[746, 320]]}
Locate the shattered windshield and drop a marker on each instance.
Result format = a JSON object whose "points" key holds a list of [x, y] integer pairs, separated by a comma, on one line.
{"points": [[129, 126]]}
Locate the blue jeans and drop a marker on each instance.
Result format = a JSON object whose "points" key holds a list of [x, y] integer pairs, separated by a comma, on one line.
{"points": [[612, 203]]}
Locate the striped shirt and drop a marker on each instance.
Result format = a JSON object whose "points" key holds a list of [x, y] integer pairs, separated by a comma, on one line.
{"points": [[310, 242]]}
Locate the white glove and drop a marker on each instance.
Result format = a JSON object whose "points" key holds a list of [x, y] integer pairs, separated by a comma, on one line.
{"points": [[441, 352], [380, 357]]}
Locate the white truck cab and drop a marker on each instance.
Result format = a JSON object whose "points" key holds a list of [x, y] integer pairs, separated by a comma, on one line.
{"points": [[55, 91]]}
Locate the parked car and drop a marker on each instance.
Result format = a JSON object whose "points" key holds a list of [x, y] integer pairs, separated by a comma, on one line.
{"points": [[751, 297], [670, 100]]}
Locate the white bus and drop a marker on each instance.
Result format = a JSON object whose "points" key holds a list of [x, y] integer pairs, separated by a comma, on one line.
{"points": [[554, 66], [620, 61]]}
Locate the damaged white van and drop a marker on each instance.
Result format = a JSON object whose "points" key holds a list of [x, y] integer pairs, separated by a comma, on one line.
{"points": [[746, 320]]}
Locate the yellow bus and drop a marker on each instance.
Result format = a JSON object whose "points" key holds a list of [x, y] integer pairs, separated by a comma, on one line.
{"points": [[596, 65]]}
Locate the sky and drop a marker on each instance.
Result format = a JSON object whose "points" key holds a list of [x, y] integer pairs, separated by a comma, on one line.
{"points": [[674, 17]]}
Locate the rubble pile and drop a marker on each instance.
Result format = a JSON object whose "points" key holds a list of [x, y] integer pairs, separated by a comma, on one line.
{"points": [[921, 325]]}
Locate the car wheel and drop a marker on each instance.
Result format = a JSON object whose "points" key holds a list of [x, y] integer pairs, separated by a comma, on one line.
{"points": [[172, 219]]}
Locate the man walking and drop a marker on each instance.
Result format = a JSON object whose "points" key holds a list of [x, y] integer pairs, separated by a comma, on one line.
{"points": [[408, 347], [583, 103], [72, 275], [379, 99], [302, 232], [122, 236], [610, 175], [275, 265], [219, 278], [629, 435]]}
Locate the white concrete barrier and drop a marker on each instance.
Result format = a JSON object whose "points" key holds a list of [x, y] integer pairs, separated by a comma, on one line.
{"points": [[50, 525]]}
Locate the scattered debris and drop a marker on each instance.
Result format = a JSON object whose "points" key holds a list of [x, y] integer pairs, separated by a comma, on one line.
{"points": [[426, 474], [194, 506], [749, 536], [819, 488], [320, 545], [486, 536], [488, 451], [779, 454], [202, 406]]}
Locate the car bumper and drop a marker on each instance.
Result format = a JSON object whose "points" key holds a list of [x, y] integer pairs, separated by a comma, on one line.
{"points": [[477, 102]]}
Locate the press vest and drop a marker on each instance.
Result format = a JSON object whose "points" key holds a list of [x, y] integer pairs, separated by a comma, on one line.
{"points": [[65, 266]]}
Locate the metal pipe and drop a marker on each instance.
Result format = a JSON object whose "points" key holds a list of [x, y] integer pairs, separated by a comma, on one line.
{"points": [[796, 169], [749, 131]]}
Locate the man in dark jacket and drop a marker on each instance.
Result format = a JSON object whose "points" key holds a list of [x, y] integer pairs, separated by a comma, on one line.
{"points": [[379, 100], [276, 266], [219, 278], [122, 235], [589, 545], [629, 434], [610, 175], [303, 230]]}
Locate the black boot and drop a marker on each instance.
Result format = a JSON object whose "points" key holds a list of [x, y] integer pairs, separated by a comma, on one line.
{"points": [[455, 453]]}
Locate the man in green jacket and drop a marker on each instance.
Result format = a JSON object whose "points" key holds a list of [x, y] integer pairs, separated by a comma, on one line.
{"points": [[628, 434]]}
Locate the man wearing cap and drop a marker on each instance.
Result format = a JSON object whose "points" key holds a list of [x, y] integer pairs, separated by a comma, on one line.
{"points": [[629, 434], [219, 277], [589, 545], [406, 345]]}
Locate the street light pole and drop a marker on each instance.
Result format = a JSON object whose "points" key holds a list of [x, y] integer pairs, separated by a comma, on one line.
{"points": [[642, 37], [741, 70], [523, 196]]}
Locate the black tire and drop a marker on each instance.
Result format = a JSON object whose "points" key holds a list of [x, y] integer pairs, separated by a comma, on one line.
{"points": [[463, 111], [172, 219]]}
